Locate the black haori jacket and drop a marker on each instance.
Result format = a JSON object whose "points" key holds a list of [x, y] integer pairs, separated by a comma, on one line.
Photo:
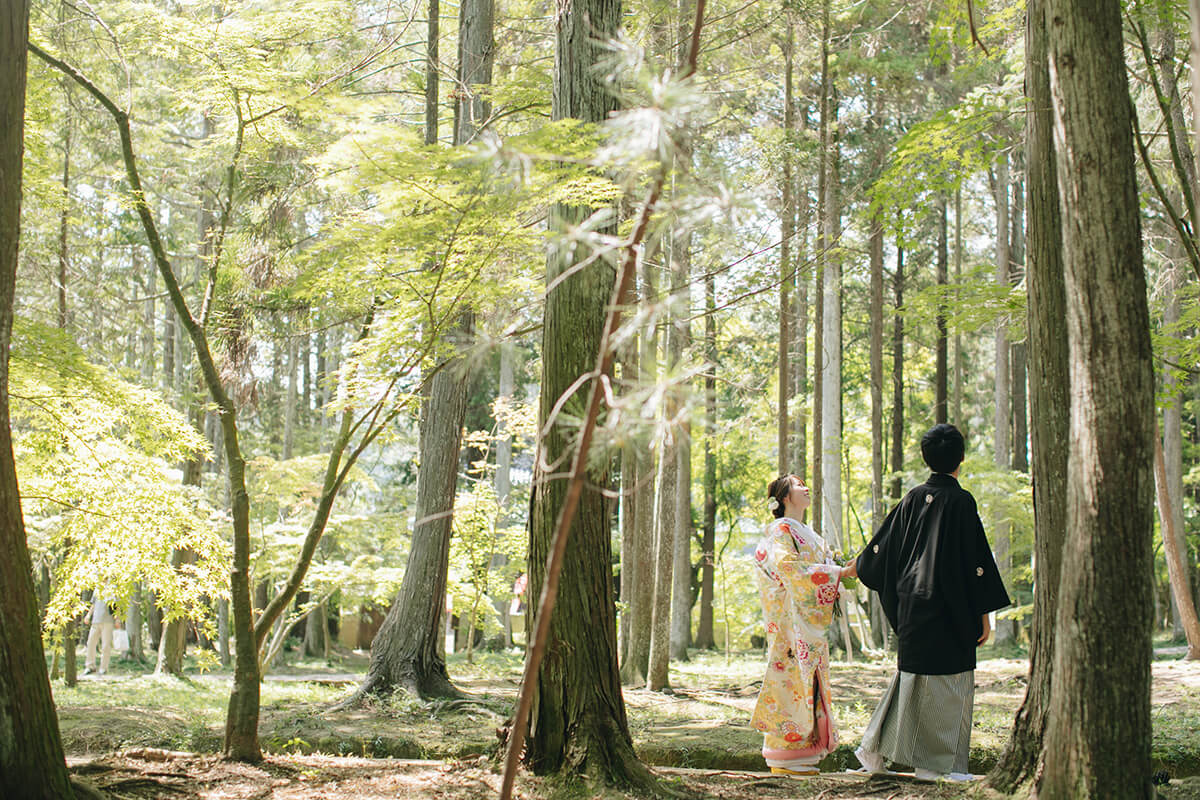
{"points": [[936, 577]]}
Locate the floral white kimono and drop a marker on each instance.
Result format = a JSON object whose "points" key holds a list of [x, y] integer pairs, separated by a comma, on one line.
{"points": [[798, 583]]}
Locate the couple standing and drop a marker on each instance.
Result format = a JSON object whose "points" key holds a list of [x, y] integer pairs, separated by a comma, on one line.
{"points": [[937, 580]]}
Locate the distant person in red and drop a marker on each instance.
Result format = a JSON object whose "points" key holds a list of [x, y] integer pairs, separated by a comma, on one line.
{"points": [[937, 580]]}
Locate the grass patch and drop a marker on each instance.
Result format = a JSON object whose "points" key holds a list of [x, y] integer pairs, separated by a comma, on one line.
{"points": [[703, 723]]}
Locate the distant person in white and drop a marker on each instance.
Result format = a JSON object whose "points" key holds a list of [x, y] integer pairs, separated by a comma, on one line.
{"points": [[103, 622]]}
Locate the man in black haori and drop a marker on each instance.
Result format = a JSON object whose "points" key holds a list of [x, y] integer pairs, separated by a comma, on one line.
{"points": [[937, 580]]}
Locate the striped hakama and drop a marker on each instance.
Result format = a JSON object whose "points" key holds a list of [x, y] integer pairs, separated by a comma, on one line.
{"points": [[924, 721]]}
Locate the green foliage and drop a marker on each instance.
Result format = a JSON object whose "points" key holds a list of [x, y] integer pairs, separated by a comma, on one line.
{"points": [[102, 504], [485, 558]]}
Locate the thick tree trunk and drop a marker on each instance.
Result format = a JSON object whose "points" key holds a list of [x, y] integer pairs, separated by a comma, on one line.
{"points": [[405, 652], [31, 755], [1098, 735], [578, 723]]}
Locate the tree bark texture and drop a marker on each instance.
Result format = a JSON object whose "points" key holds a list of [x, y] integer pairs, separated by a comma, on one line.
{"points": [[1049, 401], [1098, 734], [705, 639], [681, 541], [787, 228], [1001, 528], [898, 373], [405, 652], [941, 378], [1019, 351], [31, 755], [956, 414], [658, 674], [635, 669], [578, 722], [431, 72], [831, 383]]}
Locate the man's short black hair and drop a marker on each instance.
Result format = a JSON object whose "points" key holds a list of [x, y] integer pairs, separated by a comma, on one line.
{"points": [[943, 448]]}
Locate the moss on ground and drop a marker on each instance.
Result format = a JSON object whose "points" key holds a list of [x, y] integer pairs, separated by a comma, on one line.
{"points": [[702, 724]]}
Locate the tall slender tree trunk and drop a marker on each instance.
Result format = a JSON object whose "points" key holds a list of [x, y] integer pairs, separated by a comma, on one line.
{"points": [[504, 442], [292, 398], [898, 373], [635, 669], [406, 650], [70, 630], [823, 245], [705, 639], [681, 541], [832, 528], [1019, 351], [786, 278], [658, 677], [957, 412], [1175, 551], [941, 378], [1049, 401], [1001, 431], [800, 329], [31, 755], [1098, 735], [632, 569], [878, 624]]}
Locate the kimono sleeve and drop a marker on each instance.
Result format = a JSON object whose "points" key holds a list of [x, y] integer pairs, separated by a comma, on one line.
{"points": [[873, 561], [812, 585], [985, 587]]}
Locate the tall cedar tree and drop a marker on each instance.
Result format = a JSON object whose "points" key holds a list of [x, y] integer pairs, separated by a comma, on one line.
{"points": [[31, 754], [578, 723], [1049, 400], [1098, 733], [405, 652]]}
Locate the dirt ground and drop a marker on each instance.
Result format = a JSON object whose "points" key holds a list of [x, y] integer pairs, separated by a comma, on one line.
{"points": [[145, 774], [135, 746]]}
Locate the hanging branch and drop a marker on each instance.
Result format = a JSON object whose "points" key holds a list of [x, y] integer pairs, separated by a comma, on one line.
{"points": [[604, 361], [971, 25]]}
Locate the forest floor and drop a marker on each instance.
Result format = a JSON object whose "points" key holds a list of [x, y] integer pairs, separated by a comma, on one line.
{"points": [[138, 736]]}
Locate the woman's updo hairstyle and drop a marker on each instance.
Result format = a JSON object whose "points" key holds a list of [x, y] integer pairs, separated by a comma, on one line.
{"points": [[778, 491]]}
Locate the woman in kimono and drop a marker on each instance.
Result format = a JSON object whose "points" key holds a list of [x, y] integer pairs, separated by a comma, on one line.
{"points": [[798, 583]]}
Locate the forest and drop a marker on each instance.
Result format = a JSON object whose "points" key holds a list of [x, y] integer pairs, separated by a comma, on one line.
{"points": [[403, 380]]}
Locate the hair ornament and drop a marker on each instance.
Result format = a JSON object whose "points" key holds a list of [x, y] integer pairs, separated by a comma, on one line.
{"points": [[772, 504]]}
